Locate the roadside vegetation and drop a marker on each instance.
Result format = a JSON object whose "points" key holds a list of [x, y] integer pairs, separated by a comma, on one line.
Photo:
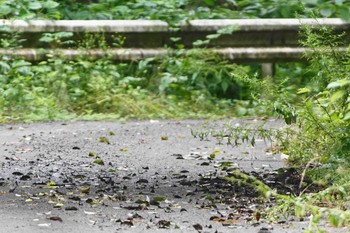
{"points": [[315, 140], [312, 97]]}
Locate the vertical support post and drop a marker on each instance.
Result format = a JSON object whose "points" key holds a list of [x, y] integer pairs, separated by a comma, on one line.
{"points": [[267, 69]]}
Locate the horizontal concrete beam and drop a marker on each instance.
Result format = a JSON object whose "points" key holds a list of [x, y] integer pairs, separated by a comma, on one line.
{"points": [[264, 24], [118, 26], [121, 26], [239, 55]]}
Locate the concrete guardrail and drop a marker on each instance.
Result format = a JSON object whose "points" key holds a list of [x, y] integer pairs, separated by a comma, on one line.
{"points": [[253, 40]]}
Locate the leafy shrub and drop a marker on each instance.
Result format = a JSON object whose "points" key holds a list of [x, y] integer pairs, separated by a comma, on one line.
{"points": [[172, 87], [172, 11]]}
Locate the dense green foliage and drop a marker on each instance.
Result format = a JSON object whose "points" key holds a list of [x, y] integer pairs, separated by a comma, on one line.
{"points": [[172, 10], [196, 84]]}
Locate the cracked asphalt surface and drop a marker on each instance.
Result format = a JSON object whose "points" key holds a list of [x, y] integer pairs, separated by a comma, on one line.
{"points": [[149, 176]]}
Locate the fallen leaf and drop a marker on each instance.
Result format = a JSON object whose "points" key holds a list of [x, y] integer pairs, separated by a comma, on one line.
{"points": [[59, 205], [157, 200], [163, 224], [127, 223], [198, 227], [52, 184], [257, 216], [164, 138], [142, 181], [71, 208], [25, 177], [99, 161], [55, 218], [264, 230], [104, 140], [224, 221], [17, 173], [136, 215], [85, 189]]}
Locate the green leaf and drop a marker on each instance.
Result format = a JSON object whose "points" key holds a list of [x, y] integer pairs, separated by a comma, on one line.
{"points": [[209, 2], [46, 38], [63, 34], [346, 116], [213, 36], [337, 95], [343, 12], [5, 9], [50, 4], [226, 164], [51, 184], [252, 141], [104, 140], [303, 90], [327, 11], [99, 161], [334, 219], [311, 2], [228, 30], [338, 83], [339, 2], [159, 199], [200, 42], [34, 5], [224, 86]]}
